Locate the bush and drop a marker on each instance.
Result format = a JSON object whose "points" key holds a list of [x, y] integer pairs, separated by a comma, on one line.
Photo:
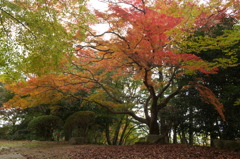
{"points": [[79, 123], [76, 140], [230, 145], [22, 134], [4, 132], [42, 127]]}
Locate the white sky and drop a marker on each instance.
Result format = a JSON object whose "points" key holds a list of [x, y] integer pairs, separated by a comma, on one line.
{"points": [[101, 6], [96, 4]]}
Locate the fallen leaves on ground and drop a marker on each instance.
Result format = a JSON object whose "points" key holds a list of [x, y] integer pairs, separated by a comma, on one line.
{"points": [[169, 151]]}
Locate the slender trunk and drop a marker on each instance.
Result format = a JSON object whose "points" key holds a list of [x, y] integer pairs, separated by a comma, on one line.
{"points": [[213, 135], [183, 138], [116, 133], [190, 136], [218, 130], [191, 126], [175, 134], [124, 131], [127, 135], [85, 133], [164, 131], [107, 134]]}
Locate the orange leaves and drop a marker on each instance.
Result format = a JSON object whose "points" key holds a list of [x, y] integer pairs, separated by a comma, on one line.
{"points": [[142, 41], [209, 97], [48, 89], [143, 48], [16, 102]]}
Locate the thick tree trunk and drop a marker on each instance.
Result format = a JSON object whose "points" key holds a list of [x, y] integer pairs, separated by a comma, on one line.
{"points": [[154, 128]]}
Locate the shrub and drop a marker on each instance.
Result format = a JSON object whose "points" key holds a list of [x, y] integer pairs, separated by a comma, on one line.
{"points": [[42, 127], [4, 132], [22, 134], [79, 123], [230, 145]]}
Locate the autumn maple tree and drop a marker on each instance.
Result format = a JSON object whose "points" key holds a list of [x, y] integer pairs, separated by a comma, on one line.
{"points": [[135, 67]]}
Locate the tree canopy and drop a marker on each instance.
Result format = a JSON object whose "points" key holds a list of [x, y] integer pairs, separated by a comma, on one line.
{"points": [[140, 62], [35, 35]]}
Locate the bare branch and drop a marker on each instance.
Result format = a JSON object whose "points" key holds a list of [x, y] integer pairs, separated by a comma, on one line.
{"points": [[135, 7], [109, 32]]}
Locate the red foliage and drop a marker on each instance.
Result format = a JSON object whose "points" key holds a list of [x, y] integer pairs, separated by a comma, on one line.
{"points": [[209, 97]]}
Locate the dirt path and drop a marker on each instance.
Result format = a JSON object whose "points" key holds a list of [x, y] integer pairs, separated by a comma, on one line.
{"points": [[12, 156]]}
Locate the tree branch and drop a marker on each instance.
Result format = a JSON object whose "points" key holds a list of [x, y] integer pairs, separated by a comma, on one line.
{"points": [[149, 87], [166, 100], [168, 84], [109, 32], [135, 7], [132, 114], [17, 21], [145, 107]]}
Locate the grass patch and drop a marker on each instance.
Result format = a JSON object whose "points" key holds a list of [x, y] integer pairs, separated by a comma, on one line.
{"points": [[27, 143]]}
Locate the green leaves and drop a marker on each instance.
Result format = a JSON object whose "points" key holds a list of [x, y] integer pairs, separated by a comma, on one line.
{"points": [[40, 33], [226, 45], [237, 103]]}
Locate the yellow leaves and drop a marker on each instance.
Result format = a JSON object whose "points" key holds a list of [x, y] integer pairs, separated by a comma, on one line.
{"points": [[100, 98], [227, 62], [16, 102], [203, 43], [54, 109], [195, 14], [222, 45], [43, 33], [192, 67]]}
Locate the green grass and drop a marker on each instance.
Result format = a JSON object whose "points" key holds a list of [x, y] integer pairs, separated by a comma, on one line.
{"points": [[27, 144]]}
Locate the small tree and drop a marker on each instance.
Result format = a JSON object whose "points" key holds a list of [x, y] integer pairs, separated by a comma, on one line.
{"points": [[43, 126], [79, 122]]}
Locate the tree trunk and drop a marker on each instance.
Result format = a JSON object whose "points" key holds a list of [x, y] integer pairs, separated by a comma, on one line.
{"points": [[183, 137], [116, 133], [164, 131], [213, 134], [190, 135], [154, 128], [108, 135], [124, 131], [154, 125], [175, 134], [191, 126]]}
